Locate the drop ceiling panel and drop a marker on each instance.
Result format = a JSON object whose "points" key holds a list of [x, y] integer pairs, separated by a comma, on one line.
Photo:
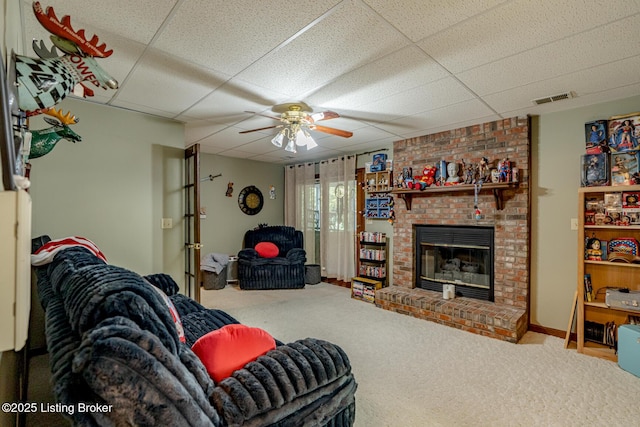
{"points": [[154, 83], [347, 39], [519, 26], [402, 70], [233, 97], [449, 115], [258, 147], [606, 77], [137, 108], [582, 101], [595, 47], [196, 131], [143, 17], [427, 97], [230, 35], [362, 137], [418, 19], [229, 138]]}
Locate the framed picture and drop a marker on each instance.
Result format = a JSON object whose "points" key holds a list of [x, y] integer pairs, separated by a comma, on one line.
{"points": [[595, 170], [595, 134], [624, 166], [624, 133]]}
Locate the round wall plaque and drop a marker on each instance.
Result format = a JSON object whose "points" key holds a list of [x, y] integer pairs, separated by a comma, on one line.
{"points": [[250, 200]]}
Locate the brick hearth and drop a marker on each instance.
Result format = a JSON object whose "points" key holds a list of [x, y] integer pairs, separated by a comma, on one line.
{"points": [[507, 317], [481, 317]]}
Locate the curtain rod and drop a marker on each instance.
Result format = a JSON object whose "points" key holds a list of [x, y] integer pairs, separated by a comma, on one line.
{"points": [[357, 154]]}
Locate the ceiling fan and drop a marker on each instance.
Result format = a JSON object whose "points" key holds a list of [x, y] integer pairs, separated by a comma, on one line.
{"points": [[297, 118]]}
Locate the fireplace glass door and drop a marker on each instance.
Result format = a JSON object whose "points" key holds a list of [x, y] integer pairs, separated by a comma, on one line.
{"points": [[458, 265], [461, 256]]}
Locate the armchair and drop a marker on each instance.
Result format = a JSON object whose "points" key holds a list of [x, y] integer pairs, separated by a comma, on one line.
{"points": [[285, 271]]}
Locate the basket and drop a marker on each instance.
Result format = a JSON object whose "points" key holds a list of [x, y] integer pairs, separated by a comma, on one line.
{"points": [[312, 274], [211, 280]]}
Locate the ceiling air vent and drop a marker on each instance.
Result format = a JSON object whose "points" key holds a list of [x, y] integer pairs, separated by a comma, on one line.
{"points": [[554, 98]]}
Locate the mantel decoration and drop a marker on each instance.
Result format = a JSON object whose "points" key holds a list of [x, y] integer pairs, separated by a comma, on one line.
{"points": [[445, 177], [250, 200]]}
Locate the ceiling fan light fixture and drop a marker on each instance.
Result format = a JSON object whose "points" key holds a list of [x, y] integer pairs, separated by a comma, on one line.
{"points": [[278, 139], [311, 143], [303, 138], [296, 121], [291, 146]]}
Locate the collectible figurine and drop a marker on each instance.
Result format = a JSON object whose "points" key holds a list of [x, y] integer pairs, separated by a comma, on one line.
{"points": [[470, 172], [594, 249], [483, 173], [624, 137], [504, 168], [452, 173]]}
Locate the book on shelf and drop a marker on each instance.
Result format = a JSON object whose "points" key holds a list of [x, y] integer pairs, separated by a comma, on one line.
{"points": [[633, 320], [588, 288]]}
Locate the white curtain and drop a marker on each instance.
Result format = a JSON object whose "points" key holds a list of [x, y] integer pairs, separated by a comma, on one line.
{"points": [[338, 217], [300, 207]]}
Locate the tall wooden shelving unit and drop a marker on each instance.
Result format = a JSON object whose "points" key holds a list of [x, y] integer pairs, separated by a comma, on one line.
{"points": [[372, 266], [603, 273], [378, 201]]}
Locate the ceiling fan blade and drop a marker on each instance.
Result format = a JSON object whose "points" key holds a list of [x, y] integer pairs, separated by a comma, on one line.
{"points": [[332, 131], [324, 115], [255, 130], [263, 115]]}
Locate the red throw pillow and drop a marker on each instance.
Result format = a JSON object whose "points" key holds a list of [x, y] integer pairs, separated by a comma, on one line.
{"points": [[267, 250], [229, 348]]}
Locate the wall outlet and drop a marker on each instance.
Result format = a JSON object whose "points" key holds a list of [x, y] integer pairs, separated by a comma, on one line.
{"points": [[167, 223], [574, 223]]}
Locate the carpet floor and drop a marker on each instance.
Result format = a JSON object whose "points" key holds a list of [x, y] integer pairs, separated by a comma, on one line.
{"points": [[412, 372]]}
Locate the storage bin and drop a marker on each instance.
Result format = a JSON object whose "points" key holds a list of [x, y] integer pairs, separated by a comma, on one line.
{"points": [[312, 275], [211, 280], [629, 348]]}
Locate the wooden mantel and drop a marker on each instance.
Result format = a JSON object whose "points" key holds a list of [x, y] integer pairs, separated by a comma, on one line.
{"points": [[407, 195]]}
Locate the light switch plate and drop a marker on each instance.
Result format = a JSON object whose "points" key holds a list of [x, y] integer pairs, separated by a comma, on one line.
{"points": [[574, 223], [167, 223]]}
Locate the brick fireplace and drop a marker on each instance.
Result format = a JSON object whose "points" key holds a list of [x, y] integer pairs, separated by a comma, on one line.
{"points": [[506, 317]]}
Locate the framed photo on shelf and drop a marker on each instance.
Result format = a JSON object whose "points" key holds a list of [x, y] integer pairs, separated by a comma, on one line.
{"points": [[595, 134], [624, 133], [624, 166], [595, 170]]}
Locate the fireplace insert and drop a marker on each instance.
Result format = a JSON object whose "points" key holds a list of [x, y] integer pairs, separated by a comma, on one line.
{"points": [[458, 255]]}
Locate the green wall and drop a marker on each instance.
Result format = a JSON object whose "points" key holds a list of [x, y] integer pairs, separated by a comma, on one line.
{"points": [[223, 228], [114, 187], [555, 182]]}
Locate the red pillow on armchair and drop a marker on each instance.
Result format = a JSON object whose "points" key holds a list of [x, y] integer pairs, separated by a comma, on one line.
{"points": [[229, 348], [267, 250]]}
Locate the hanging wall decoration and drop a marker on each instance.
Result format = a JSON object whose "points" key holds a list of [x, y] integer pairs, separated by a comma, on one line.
{"points": [[45, 81], [272, 192], [44, 140], [250, 200], [229, 192]]}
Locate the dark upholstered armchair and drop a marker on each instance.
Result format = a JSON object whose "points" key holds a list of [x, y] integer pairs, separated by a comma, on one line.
{"points": [[285, 271]]}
